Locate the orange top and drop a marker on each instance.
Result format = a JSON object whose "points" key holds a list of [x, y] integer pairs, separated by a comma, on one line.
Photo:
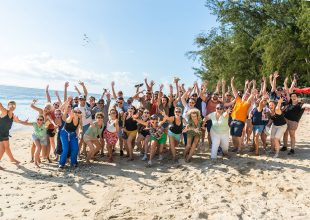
{"points": [[240, 110]]}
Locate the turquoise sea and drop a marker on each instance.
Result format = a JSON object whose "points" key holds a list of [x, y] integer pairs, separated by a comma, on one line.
{"points": [[23, 98]]}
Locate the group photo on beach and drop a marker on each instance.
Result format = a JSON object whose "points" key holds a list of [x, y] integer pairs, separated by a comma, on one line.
{"points": [[144, 110]]}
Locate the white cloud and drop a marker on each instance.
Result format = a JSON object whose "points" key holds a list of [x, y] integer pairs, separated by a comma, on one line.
{"points": [[37, 70]]}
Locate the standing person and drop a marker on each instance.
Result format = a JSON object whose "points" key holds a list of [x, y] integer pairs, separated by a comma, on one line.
{"points": [[130, 128], [158, 136], [86, 120], [60, 122], [143, 138], [6, 122], [119, 107], [68, 137], [292, 114], [239, 115], [111, 133], [39, 136], [258, 123], [175, 130], [219, 131], [49, 116], [193, 129], [279, 125], [211, 102], [91, 136]]}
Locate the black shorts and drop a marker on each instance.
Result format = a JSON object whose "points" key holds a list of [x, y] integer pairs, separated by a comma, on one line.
{"points": [[209, 125], [236, 128], [4, 139], [51, 132]]}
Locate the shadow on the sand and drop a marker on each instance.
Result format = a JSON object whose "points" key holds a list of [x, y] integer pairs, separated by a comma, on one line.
{"points": [[137, 171], [246, 162]]}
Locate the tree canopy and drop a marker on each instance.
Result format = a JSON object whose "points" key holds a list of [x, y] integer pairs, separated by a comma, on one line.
{"points": [[254, 39]]}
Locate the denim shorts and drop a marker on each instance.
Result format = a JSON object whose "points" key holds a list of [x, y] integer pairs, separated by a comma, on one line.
{"points": [[258, 129], [43, 141], [236, 128], [177, 137]]}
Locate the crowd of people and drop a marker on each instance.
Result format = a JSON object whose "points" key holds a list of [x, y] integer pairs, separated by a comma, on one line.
{"points": [[151, 122]]}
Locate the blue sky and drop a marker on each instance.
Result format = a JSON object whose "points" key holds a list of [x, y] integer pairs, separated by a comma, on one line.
{"points": [[41, 42]]}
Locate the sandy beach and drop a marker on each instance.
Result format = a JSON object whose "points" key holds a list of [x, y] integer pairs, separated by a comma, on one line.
{"points": [[242, 187]]}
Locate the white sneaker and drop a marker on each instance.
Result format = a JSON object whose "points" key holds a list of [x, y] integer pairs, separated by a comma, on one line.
{"points": [[149, 163], [276, 155], [144, 157], [160, 157]]}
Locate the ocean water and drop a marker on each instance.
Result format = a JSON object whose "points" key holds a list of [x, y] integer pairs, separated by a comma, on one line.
{"points": [[23, 98]]}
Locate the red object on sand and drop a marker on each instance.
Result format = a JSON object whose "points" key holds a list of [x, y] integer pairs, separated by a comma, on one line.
{"points": [[304, 90]]}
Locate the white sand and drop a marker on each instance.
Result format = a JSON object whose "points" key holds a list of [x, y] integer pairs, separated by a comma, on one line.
{"points": [[243, 187]]}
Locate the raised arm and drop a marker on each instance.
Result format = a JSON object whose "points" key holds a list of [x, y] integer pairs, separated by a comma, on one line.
{"points": [[77, 90], [253, 94], [203, 92], [36, 108], [84, 88], [103, 93], [184, 96], [293, 85], [170, 95], [3, 110], [113, 90], [274, 81], [160, 94], [278, 107], [285, 84], [66, 91], [223, 90], [58, 98], [176, 82], [47, 94], [234, 90], [25, 122], [217, 88]]}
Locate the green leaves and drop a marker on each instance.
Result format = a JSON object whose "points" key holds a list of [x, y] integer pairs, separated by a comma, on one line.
{"points": [[254, 39]]}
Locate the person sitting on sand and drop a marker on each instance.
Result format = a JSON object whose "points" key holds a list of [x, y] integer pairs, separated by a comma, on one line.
{"points": [[39, 136], [193, 130], [94, 131], [6, 121]]}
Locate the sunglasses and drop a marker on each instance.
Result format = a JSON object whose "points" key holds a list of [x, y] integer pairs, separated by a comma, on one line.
{"points": [[57, 114], [99, 117], [191, 102], [39, 119], [77, 112], [177, 111], [146, 113], [82, 99], [219, 108]]}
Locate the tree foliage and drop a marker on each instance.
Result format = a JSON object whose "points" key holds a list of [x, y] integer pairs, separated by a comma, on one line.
{"points": [[255, 38]]}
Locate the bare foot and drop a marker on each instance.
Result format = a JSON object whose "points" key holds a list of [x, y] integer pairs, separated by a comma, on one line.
{"points": [[37, 165], [110, 160], [15, 161], [31, 161], [1, 168]]}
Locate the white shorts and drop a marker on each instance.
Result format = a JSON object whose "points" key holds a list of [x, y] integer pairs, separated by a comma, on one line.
{"points": [[278, 131]]}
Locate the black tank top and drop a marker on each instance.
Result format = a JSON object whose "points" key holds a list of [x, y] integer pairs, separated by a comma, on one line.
{"points": [[130, 124], [70, 127], [5, 125], [176, 129], [278, 120]]}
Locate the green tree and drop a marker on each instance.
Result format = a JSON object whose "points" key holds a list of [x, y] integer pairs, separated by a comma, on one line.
{"points": [[255, 38]]}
